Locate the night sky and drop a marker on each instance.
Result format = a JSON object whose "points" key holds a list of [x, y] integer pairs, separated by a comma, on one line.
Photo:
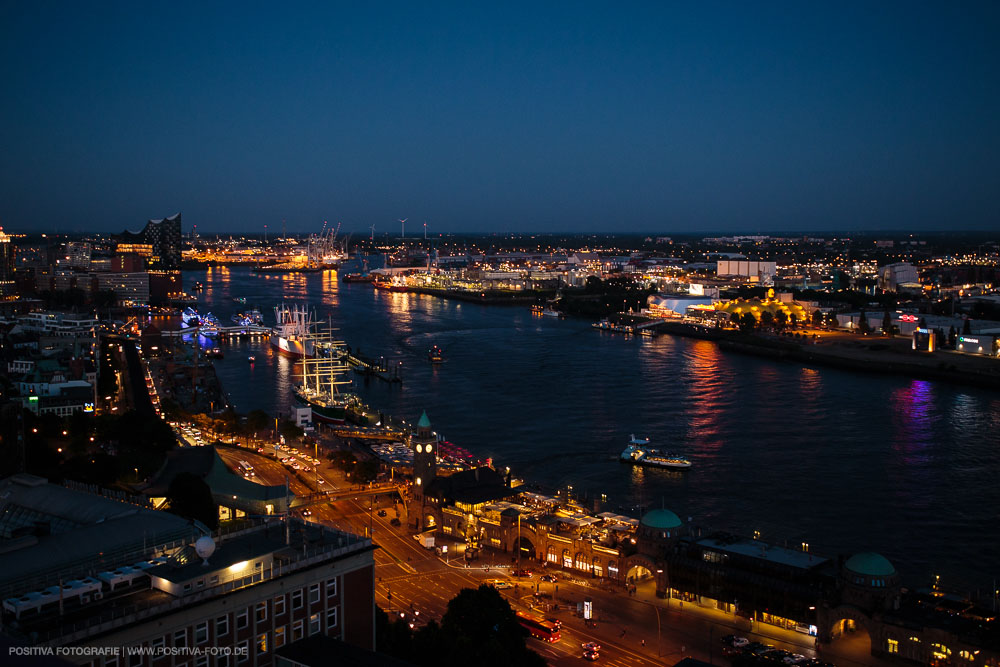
{"points": [[575, 116]]}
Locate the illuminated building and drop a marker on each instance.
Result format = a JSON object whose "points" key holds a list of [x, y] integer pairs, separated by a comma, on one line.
{"points": [[163, 236], [6, 266]]}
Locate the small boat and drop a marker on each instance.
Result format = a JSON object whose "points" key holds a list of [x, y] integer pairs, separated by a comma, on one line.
{"points": [[640, 453], [198, 286], [240, 299], [214, 353], [436, 355], [251, 358], [358, 278], [537, 309]]}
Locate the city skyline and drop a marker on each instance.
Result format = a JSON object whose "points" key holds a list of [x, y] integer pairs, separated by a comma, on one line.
{"points": [[640, 119]]}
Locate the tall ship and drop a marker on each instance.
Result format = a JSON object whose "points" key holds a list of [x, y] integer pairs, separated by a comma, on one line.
{"points": [[290, 334], [638, 452], [325, 379]]}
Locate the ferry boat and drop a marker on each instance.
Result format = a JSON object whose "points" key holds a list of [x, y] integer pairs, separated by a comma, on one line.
{"points": [[209, 326], [390, 283], [436, 355], [248, 318], [251, 358], [190, 317], [552, 312], [322, 388], [290, 334], [638, 452]]}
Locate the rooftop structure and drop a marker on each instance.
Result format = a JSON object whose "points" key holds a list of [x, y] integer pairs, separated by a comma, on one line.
{"points": [[115, 574]]}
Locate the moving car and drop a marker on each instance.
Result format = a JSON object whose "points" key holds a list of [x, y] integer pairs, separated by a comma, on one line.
{"points": [[499, 584]]}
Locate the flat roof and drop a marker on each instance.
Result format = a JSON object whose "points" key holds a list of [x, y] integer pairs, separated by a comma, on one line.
{"points": [[765, 552], [242, 548]]}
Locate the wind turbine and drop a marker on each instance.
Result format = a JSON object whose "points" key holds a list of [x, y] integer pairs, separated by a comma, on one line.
{"points": [[373, 233], [402, 226], [425, 230]]}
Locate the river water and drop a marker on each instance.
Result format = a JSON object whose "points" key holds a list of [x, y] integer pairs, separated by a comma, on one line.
{"points": [[843, 461]]}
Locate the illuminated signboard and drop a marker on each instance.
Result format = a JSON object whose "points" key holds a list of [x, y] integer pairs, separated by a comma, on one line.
{"points": [[88, 407], [588, 609], [966, 339]]}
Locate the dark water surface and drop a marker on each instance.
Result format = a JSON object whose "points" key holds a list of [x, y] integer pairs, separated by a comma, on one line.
{"points": [[844, 461]]}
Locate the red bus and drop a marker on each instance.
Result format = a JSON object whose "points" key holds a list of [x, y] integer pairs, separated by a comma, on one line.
{"points": [[539, 627]]}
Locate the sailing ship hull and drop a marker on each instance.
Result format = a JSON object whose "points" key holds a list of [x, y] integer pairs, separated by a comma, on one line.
{"points": [[327, 414], [290, 347]]}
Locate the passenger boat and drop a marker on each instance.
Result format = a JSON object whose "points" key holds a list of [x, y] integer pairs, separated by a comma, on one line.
{"points": [[436, 355], [251, 358], [638, 452]]}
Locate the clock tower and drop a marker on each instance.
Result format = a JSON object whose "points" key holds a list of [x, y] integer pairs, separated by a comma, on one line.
{"points": [[424, 446]]}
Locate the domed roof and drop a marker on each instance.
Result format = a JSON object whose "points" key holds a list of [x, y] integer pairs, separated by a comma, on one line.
{"points": [[870, 564], [661, 519]]}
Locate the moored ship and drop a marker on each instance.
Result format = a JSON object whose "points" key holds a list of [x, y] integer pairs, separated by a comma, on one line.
{"points": [[323, 380], [638, 452], [290, 334], [436, 355]]}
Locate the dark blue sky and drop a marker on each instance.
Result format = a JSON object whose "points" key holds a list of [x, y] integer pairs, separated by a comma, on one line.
{"points": [[580, 116]]}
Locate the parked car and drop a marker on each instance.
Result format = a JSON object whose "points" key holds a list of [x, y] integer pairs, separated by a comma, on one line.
{"points": [[522, 573], [549, 577], [381, 512], [394, 521]]}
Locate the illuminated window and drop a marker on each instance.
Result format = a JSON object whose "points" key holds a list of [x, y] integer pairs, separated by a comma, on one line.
{"points": [[613, 569], [940, 651], [567, 559], [279, 637], [893, 646], [315, 623], [915, 639], [279, 605], [966, 655], [261, 612], [262, 643]]}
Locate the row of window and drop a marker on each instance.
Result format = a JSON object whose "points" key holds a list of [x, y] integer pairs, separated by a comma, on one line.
{"points": [[939, 651], [582, 563], [260, 611]]}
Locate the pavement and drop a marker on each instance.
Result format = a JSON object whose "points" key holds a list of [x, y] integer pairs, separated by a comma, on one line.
{"points": [[634, 630]]}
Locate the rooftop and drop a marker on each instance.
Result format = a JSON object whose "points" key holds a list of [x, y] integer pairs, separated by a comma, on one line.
{"points": [[247, 554], [46, 529], [742, 546]]}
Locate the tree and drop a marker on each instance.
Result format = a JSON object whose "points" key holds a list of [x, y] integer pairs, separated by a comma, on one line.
{"points": [[781, 317], [767, 319], [887, 323], [258, 420], [794, 319], [831, 319], [482, 630], [748, 322], [863, 326], [190, 497], [735, 318], [817, 318]]}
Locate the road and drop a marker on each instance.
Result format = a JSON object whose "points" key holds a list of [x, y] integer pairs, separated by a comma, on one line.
{"points": [[417, 583]]}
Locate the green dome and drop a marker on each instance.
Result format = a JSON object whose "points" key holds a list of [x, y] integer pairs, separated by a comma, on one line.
{"points": [[870, 564], [661, 520]]}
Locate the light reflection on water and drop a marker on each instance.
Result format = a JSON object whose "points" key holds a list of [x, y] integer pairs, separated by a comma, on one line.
{"points": [[847, 462]]}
